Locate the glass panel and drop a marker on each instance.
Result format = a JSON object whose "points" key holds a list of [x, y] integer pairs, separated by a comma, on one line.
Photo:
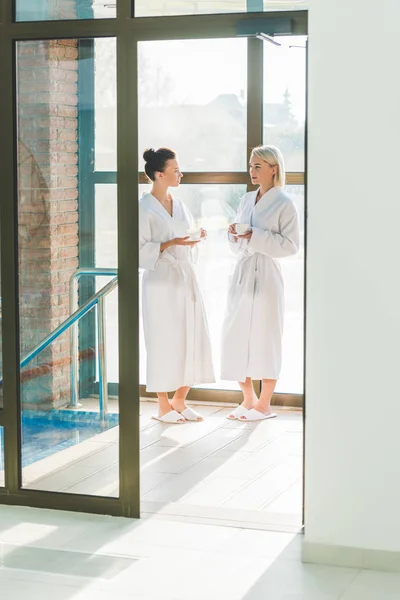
{"points": [[158, 8], [213, 207], [291, 379], [58, 10], [105, 52], [201, 115], [107, 257], [69, 443], [285, 98], [1, 457]]}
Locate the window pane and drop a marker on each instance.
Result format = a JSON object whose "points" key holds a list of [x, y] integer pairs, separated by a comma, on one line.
{"points": [[193, 100], [158, 8], [291, 379], [285, 98], [67, 445], [58, 10], [105, 114], [105, 217], [285, 4]]}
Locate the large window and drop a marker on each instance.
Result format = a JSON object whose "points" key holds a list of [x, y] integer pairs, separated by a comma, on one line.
{"points": [[192, 99]]}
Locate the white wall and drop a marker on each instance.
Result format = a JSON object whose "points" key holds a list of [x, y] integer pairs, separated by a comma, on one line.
{"points": [[353, 315]]}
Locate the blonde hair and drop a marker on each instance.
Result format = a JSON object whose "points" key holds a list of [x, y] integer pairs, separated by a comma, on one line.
{"points": [[272, 156]]}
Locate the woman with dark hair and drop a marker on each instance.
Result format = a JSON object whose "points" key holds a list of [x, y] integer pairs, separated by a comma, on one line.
{"points": [[174, 322]]}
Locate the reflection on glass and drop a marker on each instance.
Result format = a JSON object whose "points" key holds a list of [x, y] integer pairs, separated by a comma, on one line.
{"points": [[69, 441], [44, 10], [1, 457], [201, 115], [285, 98]]}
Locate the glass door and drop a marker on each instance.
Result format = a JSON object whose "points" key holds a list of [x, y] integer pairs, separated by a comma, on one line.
{"points": [[68, 305]]}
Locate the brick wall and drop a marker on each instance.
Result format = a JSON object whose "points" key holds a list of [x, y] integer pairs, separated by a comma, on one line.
{"points": [[48, 208]]}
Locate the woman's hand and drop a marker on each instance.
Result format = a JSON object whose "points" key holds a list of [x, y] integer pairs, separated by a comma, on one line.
{"points": [[179, 241], [185, 241], [232, 229], [246, 236], [203, 233]]}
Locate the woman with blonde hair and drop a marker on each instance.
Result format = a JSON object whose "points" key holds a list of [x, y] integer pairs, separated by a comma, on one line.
{"points": [[266, 229]]}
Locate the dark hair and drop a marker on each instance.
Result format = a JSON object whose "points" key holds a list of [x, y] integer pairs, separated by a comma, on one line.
{"points": [[156, 161]]}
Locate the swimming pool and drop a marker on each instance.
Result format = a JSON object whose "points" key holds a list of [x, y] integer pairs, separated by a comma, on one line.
{"points": [[46, 433]]}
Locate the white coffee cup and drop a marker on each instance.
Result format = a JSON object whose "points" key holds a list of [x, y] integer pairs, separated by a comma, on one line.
{"points": [[242, 228], [194, 233]]}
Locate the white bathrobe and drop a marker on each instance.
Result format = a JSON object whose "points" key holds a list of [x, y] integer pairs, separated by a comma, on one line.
{"points": [[253, 325], [174, 322]]}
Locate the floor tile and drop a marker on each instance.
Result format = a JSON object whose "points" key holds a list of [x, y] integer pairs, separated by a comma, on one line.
{"points": [[373, 585]]}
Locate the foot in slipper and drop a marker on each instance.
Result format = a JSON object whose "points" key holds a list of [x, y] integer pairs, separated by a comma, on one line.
{"points": [[191, 415], [256, 415], [238, 412], [172, 418]]}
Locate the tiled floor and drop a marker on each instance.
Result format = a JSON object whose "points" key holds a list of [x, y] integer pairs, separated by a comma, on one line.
{"points": [[229, 472], [48, 554]]}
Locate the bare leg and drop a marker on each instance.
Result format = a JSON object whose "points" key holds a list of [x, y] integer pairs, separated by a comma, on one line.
{"points": [[249, 396], [249, 399], [178, 403], [267, 389], [164, 406]]}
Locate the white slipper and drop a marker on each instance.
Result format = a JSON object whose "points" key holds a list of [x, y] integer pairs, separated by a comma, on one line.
{"points": [[238, 412], [191, 415], [256, 415], [172, 418]]}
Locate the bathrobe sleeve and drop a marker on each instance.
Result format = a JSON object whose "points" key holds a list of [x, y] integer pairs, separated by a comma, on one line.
{"points": [[149, 251], [282, 243]]}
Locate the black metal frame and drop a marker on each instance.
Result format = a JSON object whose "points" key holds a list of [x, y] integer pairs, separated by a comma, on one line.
{"points": [[128, 31]]}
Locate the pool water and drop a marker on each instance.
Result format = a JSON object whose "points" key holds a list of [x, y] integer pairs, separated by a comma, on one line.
{"points": [[46, 433]]}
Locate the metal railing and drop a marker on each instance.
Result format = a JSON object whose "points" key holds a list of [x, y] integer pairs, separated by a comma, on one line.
{"points": [[101, 336], [98, 301]]}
